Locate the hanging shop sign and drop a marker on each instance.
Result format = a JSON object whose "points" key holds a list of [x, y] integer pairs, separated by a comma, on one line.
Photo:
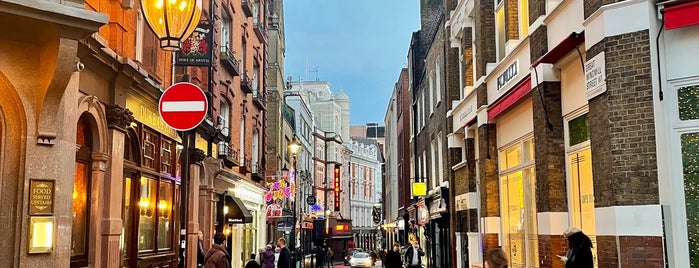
{"points": [[196, 50], [41, 197], [595, 76]]}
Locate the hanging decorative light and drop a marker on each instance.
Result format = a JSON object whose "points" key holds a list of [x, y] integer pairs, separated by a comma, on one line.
{"points": [[171, 20]]}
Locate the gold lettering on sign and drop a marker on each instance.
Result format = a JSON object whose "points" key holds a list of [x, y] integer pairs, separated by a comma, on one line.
{"points": [[149, 116], [41, 196]]}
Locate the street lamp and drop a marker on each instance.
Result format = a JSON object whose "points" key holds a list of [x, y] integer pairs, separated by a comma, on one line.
{"points": [[171, 20], [294, 148]]}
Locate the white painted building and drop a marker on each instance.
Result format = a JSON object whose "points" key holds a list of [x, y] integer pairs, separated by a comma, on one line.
{"points": [[365, 188]]}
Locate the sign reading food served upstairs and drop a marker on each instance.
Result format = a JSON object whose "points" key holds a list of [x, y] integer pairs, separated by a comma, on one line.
{"points": [[41, 197]]}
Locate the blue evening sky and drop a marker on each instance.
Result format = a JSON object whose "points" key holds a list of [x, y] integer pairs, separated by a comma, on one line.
{"points": [[359, 46]]}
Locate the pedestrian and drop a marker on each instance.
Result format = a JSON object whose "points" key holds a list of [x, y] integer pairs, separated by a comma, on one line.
{"points": [[284, 254], [330, 255], [495, 258], [413, 256], [320, 256], [200, 250], [252, 263], [579, 253], [393, 257], [268, 257], [217, 257]]}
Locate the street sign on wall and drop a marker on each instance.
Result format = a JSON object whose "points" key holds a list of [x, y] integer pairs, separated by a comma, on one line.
{"points": [[183, 106]]}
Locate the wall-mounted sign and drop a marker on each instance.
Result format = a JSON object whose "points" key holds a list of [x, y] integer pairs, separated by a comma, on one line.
{"points": [[311, 200], [147, 113], [41, 196], [42, 234], [461, 202], [196, 50], [507, 75], [595, 76]]}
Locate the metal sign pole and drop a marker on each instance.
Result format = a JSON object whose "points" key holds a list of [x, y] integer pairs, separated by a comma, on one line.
{"points": [[184, 176]]}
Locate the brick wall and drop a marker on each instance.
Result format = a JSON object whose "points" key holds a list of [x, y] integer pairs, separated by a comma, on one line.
{"points": [[593, 5], [511, 20], [273, 130], [549, 148], [551, 246], [538, 43], [467, 46], [482, 95], [484, 18], [622, 130], [470, 145], [488, 170], [537, 8]]}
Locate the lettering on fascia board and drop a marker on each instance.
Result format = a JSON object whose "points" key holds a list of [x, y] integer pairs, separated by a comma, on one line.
{"points": [[508, 74]]}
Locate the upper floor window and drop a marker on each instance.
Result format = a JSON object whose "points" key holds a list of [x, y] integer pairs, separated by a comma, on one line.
{"points": [[431, 101], [224, 117], [438, 81], [688, 102], [225, 29]]}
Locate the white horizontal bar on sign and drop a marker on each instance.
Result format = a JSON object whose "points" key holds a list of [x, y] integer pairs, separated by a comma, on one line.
{"points": [[183, 106]]}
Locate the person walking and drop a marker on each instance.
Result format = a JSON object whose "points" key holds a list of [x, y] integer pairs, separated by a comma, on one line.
{"points": [[268, 257], [217, 257], [413, 256], [252, 263], [320, 256], [393, 257], [284, 254], [579, 253], [495, 258]]}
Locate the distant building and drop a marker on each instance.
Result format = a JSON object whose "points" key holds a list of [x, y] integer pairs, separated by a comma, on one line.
{"points": [[365, 189], [371, 131]]}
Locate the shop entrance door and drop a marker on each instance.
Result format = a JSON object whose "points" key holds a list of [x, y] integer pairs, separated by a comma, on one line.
{"points": [[582, 200]]}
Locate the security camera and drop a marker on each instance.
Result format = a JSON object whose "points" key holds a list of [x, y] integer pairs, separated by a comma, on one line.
{"points": [[79, 66]]}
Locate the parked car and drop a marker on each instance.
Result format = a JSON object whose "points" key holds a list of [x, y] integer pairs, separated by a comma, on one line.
{"points": [[349, 254], [360, 259]]}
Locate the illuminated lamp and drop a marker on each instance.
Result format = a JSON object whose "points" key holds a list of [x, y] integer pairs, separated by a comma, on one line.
{"points": [[171, 21]]}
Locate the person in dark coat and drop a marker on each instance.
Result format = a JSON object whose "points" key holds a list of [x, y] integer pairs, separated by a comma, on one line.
{"points": [[495, 258], [579, 253], [284, 254], [393, 257], [217, 257], [252, 263], [320, 256], [268, 257], [413, 256]]}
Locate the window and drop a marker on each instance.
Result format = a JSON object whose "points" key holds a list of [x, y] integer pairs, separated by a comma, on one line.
{"points": [[462, 73], [424, 110], [81, 195], [518, 204], [241, 145], [431, 101], [255, 75], [500, 32], [139, 36], [225, 29], [168, 157], [255, 149], [523, 16], [578, 130], [438, 78], [146, 223], [688, 102], [433, 163], [225, 115], [440, 157], [165, 224], [150, 142], [244, 55], [690, 170]]}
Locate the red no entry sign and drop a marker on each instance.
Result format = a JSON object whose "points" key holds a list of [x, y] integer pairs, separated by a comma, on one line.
{"points": [[183, 106]]}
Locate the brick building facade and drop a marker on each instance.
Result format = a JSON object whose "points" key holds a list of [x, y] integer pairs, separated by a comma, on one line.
{"points": [[542, 147]]}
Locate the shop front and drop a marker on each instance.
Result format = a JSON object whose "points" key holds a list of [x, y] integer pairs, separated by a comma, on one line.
{"points": [[439, 227], [236, 216]]}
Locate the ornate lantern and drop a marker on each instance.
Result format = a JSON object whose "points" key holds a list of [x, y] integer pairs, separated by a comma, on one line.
{"points": [[171, 20]]}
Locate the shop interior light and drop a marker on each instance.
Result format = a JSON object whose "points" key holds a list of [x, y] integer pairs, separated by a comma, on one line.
{"points": [[172, 21], [225, 210]]}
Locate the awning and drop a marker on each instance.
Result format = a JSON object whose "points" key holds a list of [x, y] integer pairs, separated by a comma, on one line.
{"points": [[237, 212], [683, 15], [510, 98], [562, 49], [437, 207]]}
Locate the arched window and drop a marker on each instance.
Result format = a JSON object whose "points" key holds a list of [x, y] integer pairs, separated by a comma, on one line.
{"points": [[81, 195]]}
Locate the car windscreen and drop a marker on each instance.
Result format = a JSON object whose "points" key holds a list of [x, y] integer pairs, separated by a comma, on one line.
{"points": [[361, 255]]}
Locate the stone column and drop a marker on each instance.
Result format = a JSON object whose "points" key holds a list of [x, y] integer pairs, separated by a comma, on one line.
{"points": [[100, 162], [118, 119], [196, 156]]}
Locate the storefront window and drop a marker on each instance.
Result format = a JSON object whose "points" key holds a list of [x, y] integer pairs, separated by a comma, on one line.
{"points": [[518, 204], [688, 102], [165, 215], [81, 195], [146, 221], [690, 168], [150, 142], [80, 210], [167, 156], [127, 209]]}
